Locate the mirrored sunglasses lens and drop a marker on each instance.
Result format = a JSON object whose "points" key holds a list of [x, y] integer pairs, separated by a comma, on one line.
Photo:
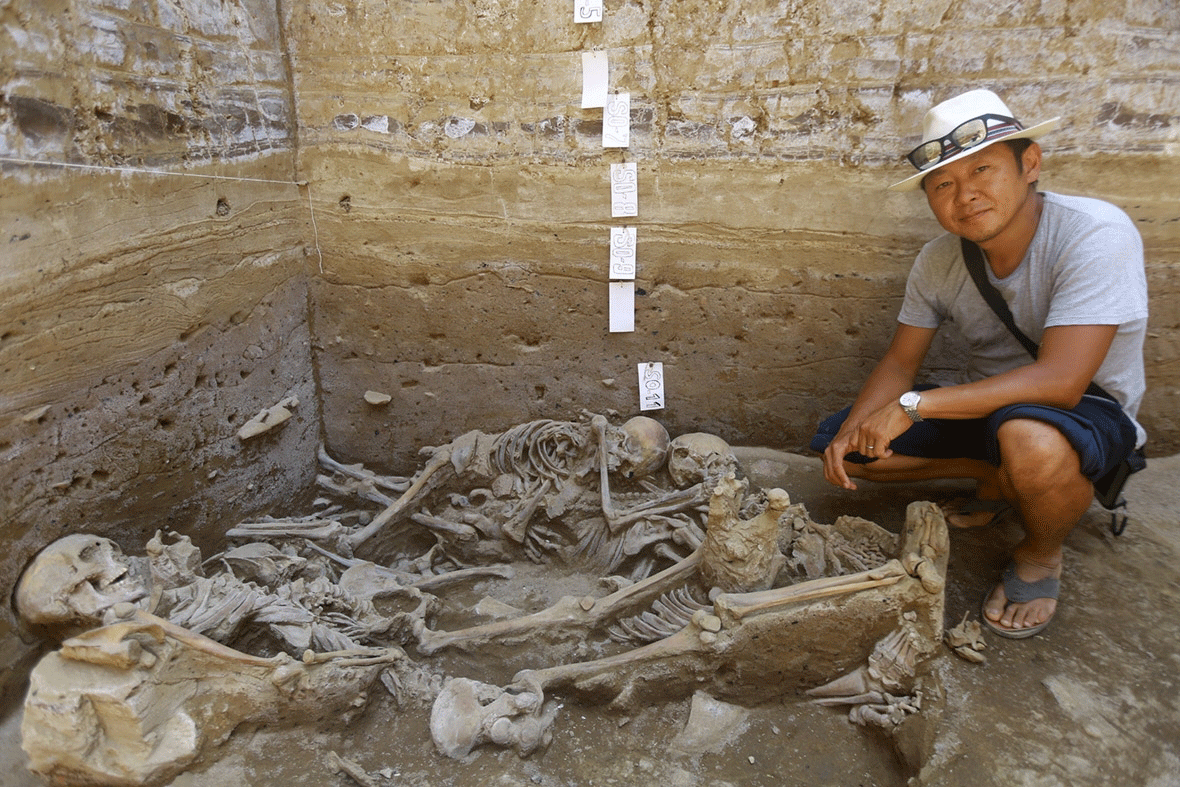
{"points": [[926, 155], [970, 133]]}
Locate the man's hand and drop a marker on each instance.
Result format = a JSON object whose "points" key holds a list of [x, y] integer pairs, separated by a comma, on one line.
{"points": [[870, 437], [834, 454]]}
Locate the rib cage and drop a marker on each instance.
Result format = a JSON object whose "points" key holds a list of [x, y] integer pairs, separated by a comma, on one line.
{"points": [[668, 614], [544, 448]]}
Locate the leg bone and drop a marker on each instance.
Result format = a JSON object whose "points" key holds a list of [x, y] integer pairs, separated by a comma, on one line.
{"points": [[737, 606], [567, 614], [439, 460]]}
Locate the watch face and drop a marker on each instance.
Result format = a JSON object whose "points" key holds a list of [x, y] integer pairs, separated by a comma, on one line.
{"points": [[910, 399]]}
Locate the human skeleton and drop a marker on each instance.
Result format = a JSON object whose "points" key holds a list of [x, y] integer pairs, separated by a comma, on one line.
{"points": [[703, 602]]}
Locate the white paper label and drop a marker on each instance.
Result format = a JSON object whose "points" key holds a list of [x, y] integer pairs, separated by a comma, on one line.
{"points": [[616, 121], [587, 10], [622, 306], [595, 79], [651, 386], [624, 190], [622, 252]]}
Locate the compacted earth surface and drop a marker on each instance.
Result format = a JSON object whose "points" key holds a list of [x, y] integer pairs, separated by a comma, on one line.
{"points": [[1091, 701]]}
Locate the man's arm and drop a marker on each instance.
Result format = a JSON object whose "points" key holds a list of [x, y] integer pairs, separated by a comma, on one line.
{"points": [[892, 376], [1069, 358]]}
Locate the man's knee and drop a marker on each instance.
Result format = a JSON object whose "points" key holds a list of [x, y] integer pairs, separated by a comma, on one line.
{"points": [[1035, 452]]}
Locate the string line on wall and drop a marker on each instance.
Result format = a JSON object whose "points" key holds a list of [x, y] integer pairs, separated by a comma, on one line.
{"points": [[168, 173]]}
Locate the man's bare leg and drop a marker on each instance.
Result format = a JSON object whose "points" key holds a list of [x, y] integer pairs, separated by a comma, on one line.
{"points": [[1041, 473]]}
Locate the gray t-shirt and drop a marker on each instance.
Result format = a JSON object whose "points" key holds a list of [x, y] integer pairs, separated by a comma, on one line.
{"points": [[1083, 267]]}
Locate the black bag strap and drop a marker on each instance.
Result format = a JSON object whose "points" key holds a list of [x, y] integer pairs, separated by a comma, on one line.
{"points": [[973, 257]]}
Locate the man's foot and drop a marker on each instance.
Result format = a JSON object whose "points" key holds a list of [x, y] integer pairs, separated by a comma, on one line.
{"points": [[971, 512], [1024, 602]]}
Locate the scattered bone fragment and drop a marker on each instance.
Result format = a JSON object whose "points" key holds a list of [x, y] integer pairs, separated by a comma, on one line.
{"points": [[268, 419], [35, 415], [712, 725], [488, 607], [352, 770], [363, 478], [377, 398], [889, 712], [312, 528], [966, 640]]}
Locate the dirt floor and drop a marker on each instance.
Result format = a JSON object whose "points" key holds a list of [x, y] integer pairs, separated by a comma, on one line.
{"points": [[1092, 701]]}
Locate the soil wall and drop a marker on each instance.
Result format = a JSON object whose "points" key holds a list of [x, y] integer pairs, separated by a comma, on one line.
{"points": [[145, 317]]}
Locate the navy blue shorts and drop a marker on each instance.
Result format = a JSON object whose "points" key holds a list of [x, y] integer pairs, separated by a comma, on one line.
{"points": [[1097, 428]]}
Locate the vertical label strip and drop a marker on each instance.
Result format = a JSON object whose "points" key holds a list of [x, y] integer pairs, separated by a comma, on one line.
{"points": [[616, 121], [624, 190], [651, 386]]}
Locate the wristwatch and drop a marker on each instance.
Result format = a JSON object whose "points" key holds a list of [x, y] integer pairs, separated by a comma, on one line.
{"points": [[909, 402]]}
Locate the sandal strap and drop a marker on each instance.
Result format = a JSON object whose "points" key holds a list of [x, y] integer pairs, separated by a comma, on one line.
{"points": [[1018, 591]]}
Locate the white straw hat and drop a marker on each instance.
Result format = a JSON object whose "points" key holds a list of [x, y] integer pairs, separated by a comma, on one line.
{"points": [[948, 116]]}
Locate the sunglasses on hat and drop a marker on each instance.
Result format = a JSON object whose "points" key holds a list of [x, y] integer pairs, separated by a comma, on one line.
{"points": [[965, 136]]}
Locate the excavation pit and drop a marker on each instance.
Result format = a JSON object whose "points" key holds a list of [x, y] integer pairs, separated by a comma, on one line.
{"points": [[706, 589], [234, 231]]}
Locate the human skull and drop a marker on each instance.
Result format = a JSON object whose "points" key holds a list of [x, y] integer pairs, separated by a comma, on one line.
{"points": [[74, 580], [694, 456], [643, 448]]}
